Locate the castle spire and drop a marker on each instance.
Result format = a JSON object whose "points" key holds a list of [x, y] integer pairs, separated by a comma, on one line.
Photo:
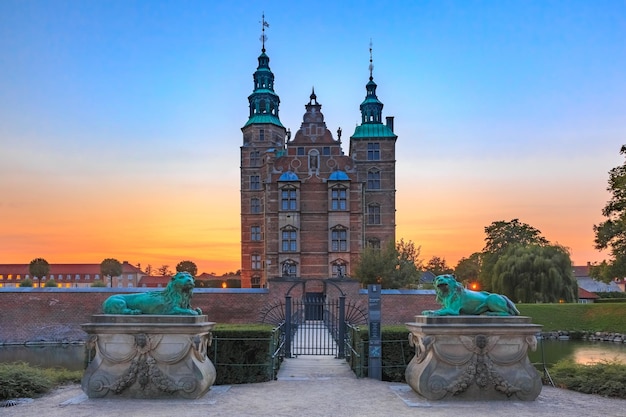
{"points": [[371, 107], [264, 102]]}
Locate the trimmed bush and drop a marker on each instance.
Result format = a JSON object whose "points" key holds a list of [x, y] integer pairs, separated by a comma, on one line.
{"points": [[241, 353]]}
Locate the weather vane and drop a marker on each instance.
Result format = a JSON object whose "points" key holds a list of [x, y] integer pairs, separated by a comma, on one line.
{"points": [[371, 67], [264, 25]]}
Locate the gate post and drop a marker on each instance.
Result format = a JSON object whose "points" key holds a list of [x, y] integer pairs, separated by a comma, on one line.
{"points": [[342, 327], [288, 326]]}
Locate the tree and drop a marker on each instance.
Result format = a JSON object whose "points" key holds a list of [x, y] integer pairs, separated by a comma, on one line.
{"points": [[501, 235], [111, 268], [438, 266], [467, 269], [393, 266], [187, 266], [164, 270], [38, 268], [611, 234], [535, 273], [149, 269]]}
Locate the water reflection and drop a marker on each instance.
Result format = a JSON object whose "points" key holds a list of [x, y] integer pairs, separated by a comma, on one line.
{"points": [[584, 353], [71, 357]]}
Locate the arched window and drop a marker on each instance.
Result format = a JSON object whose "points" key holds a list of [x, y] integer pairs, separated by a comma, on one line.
{"points": [[314, 160]]}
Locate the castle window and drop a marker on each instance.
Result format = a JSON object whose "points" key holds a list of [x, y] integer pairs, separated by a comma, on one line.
{"points": [[255, 233], [288, 199], [262, 133], [373, 214], [255, 182], [339, 239], [255, 205], [373, 151], [255, 281], [289, 240], [300, 151], [339, 198], [255, 261], [373, 179], [255, 158], [373, 243], [326, 151]]}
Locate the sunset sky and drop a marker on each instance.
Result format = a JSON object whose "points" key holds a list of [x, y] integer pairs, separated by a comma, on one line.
{"points": [[120, 120]]}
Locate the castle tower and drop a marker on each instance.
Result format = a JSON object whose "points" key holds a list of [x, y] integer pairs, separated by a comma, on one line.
{"points": [[263, 134], [373, 149]]}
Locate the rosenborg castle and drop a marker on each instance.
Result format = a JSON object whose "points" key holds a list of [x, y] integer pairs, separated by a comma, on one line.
{"points": [[307, 208]]}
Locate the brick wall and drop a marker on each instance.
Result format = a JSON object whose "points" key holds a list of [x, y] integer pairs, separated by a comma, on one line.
{"points": [[55, 315]]}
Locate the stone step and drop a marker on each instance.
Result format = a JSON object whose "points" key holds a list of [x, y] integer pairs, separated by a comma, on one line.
{"points": [[311, 367]]}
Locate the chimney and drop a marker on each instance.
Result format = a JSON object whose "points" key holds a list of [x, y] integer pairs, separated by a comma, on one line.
{"points": [[390, 122]]}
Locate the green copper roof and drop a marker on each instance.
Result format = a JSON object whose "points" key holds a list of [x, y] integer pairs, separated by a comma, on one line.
{"points": [[264, 118], [373, 130]]}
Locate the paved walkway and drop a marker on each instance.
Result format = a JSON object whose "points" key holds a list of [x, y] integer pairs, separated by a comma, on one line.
{"points": [[315, 386]]}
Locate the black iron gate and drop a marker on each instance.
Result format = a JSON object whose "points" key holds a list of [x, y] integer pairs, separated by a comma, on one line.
{"points": [[315, 325]]}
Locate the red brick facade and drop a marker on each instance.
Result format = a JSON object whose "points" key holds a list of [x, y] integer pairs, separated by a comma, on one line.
{"points": [[307, 209], [55, 315]]}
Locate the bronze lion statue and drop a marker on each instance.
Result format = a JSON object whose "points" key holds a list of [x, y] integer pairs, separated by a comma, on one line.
{"points": [[175, 299], [458, 300]]}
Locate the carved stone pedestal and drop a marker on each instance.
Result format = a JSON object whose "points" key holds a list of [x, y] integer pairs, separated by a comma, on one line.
{"points": [[473, 358], [148, 356]]}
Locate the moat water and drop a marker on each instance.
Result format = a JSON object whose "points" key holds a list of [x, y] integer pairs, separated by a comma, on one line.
{"points": [[73, 357]]}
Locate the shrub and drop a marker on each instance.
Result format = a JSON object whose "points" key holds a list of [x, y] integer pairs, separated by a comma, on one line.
{"points": [[98, 283], [607, 378], [26, 283], [19, 380], [51, 284]]}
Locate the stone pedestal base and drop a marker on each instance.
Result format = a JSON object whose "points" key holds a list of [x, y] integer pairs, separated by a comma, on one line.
{"points": [[148, 356], [473, 358]]}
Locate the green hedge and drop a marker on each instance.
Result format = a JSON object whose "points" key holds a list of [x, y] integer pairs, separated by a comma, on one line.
{"points": [[396, 352], [243, 353]]}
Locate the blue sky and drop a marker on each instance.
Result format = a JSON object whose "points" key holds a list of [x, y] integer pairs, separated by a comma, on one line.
{"points": [[120, 120]]}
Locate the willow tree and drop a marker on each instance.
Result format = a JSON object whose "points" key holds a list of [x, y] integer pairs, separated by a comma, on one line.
{"points": [[500, 236], [535, 274]]}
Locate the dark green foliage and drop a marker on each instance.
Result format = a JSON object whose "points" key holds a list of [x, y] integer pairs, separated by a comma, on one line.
{"points": [[535, 273], [242, 354], [38, 268], [187, 266], [51, 284], [26, 282], [111, 268], [20, 380], [603, 378], [98, 283], [611, 295], [611, 234], [396, 265], [396, 352]]}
